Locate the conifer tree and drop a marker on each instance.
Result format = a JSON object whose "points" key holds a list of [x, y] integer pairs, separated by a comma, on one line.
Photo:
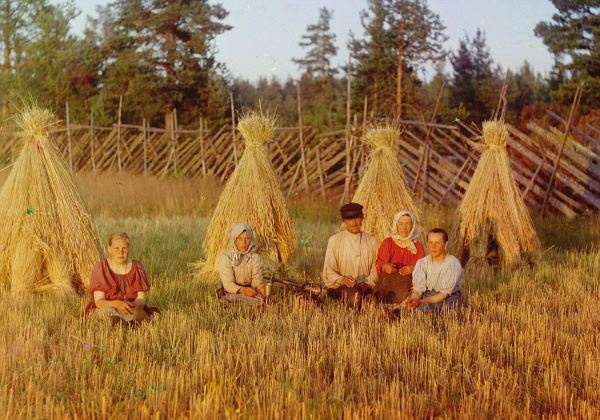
{"points": [[573, 38], [161, 55]]}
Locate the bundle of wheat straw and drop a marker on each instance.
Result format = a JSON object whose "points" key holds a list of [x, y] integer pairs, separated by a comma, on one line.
{"points": [[382, 189], [492, 203], [47, 238], [252, 195]]}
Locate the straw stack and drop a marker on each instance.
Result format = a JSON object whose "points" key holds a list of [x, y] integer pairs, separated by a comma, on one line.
{"points": [[252, 195], [47, 238], [382, 189], [492, 205]]}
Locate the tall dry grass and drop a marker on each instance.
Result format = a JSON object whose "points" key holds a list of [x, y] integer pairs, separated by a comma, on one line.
{"points": [[527, 344], [126, 194], [134, 195]]}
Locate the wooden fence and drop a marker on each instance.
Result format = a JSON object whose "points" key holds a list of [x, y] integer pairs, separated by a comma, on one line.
{"points": [[438, 159]]}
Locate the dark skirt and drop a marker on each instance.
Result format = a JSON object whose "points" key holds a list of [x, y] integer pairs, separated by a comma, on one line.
{"points": [[392, 288], [351, 296]]}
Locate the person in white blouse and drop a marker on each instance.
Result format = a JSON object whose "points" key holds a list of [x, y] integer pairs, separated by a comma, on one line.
{"points": [[240, 268], [350, 271], [436, 278]]}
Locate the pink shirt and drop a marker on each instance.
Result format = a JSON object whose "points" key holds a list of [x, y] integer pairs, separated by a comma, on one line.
{"points": [[117, 286]]}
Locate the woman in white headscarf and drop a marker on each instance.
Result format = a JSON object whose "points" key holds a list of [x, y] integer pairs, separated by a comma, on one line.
{"points": [[240, 267], [397, 257]]}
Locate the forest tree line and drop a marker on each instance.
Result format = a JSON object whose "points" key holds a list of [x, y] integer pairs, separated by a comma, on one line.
{"points": [[159, 55]]}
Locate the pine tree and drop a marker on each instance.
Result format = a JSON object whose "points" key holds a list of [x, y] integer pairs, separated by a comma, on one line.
{"points": [[372, 61], [574, 39], [418, 38], [160, 54], [429, 94], [321, 93], [400, 36], [462, 88], [16, 25], [529, 87], [320, 42], [476, 83], [53, 67]]}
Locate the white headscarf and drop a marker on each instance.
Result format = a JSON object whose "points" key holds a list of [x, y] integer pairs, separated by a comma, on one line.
{"points": [[407, 241], [235, 255]]}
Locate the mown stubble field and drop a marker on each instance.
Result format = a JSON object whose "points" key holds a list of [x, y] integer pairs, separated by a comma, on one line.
{"points": [[527, 343]]}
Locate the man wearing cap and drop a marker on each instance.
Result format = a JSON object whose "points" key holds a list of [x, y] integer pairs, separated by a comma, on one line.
{"points": [[350, 260]]}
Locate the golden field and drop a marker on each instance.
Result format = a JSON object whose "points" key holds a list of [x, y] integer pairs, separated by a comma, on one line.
{"points": [[527, 343]]}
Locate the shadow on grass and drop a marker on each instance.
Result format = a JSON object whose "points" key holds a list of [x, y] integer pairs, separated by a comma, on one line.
{"points": [[479, 277], [564, 234]]}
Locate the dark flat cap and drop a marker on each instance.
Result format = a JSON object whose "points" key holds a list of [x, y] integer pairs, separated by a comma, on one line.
{"points": [[351, 211]]}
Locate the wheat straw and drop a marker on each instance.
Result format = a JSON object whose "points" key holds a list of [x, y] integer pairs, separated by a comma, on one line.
{"points": [[47, 238], [382, 189], [252, 195], [493, 204]]}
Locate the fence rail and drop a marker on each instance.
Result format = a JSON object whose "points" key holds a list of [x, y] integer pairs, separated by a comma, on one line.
{"points": [[438, 159]]}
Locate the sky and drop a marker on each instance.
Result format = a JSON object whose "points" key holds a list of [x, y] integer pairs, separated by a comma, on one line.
{"points": [[266, 33]]}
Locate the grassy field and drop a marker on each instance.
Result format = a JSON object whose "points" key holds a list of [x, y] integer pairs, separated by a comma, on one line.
{"points": [[526, 344]]}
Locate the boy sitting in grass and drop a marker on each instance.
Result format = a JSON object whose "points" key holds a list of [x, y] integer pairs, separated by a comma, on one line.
{"points": [[436, 278]]}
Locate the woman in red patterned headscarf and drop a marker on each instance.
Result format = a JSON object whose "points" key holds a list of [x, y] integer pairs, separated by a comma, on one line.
{"points": [[396, 259]]}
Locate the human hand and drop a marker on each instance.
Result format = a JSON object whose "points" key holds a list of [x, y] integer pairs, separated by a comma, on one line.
{"points": [[406, 270], [404, 304], [247, 291], [123, 307], [348, 282], [413, 302], [388, 268]]}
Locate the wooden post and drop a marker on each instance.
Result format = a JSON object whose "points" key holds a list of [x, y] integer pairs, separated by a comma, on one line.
{"points": [[301, 132], [293, 183], [364, 121], [202, 147], [500, 111], [400, 72], [92, 141], [464, 167], [119, 166], [12, 150], [424, 159], [233, 140], [364, 130], [533, 178], [574, 106], [345, 196], [423, 191], [419, 166], [174, 139], [145, 146], [69, 145], [320, 169]]}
